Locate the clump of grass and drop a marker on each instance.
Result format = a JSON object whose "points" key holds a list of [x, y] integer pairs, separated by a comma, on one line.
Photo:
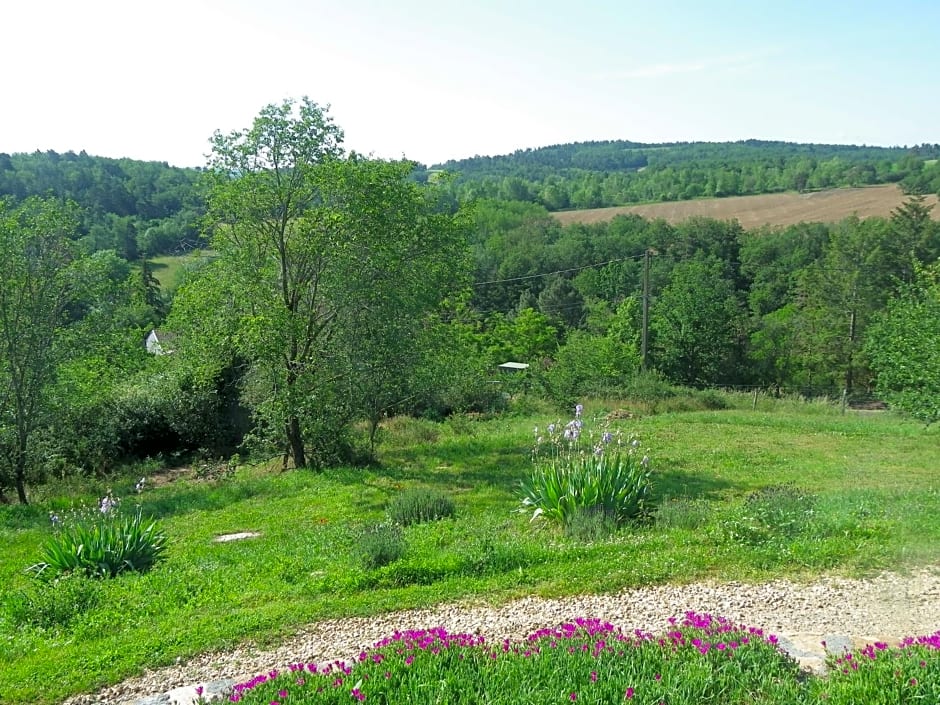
{"points": [[419, 505], [591, 524], [683, 513], [380, 545]]}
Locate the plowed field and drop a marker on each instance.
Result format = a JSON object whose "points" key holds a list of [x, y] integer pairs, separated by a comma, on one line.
{"points": [[770, 209]]}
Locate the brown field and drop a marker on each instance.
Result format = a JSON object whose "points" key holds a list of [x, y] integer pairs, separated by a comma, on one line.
{"points": [[770, 209]]}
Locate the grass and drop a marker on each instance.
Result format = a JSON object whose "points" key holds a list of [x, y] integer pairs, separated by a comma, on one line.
{"points": [[871, 478], [170, 269]]}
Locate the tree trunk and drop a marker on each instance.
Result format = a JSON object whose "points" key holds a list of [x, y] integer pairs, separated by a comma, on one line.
{"points": [[295, 441], [20, 476]]}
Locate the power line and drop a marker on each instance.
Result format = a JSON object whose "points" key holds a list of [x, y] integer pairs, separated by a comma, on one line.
{"points": [[558, 271]]}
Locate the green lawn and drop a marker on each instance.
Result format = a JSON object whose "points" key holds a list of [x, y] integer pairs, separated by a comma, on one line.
{"points": [[170, 269], [863, 489]]}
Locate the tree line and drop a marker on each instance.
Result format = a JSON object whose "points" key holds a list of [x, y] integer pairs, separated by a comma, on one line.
{"points": [[601, 174], [344, 289], [136, 208]]}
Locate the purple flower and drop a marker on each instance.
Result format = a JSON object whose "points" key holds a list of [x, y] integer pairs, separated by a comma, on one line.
{"points": [[573, 697], [628, 694]]}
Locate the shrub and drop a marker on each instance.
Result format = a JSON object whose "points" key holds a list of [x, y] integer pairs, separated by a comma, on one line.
{"points": [[776, 511], [575, 471], [101, 544], [420, 505], [380, 545]]}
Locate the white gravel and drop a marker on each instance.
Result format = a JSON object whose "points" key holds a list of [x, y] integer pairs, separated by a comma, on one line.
{"points": [[885, 608]]}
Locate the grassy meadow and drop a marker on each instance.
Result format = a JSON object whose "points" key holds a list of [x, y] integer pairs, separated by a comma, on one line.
{"points": [[782, 489]]}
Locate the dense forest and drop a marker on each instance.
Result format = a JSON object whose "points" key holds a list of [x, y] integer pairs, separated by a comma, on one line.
{"points": [[343, 289], [132, 207], [615, 173]]}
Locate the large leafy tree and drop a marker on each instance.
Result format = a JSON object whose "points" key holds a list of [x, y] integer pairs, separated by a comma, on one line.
{"points": [[696, 323], [904, 348], [316, 250], [38, 288]]}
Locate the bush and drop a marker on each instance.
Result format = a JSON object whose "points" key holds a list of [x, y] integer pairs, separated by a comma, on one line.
{"points": [[102, 544], [575, 471], [380, 545], [420, 505], [772, 512]]}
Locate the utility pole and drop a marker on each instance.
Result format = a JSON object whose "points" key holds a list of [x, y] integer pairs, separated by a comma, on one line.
{"points": [[644, 340]]}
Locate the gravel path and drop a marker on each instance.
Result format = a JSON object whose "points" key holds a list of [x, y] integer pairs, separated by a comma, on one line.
{"points": [[841, 611]]}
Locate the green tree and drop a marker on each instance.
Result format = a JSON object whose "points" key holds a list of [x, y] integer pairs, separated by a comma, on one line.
{"points": [[837, 297], [696, 323], [903, 346], [38, 285], [315, 252]]}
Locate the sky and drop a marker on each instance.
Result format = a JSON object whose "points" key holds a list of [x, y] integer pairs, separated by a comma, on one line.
{"points": [[437, 80]]}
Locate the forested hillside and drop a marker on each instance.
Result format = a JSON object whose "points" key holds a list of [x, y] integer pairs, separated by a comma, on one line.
{"points": [[133, 207], [613, 173], [343, 289]]}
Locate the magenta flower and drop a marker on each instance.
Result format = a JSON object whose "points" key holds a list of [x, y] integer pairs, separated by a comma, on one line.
{"points": [[628, 694], [573, 697]]}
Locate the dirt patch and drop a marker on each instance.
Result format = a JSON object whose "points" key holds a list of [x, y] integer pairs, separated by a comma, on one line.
{"points": [[769, 209]]}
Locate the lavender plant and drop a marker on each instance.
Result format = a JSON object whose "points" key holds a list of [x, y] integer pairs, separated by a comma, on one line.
{"points": [[577, 469], [101, 542]]}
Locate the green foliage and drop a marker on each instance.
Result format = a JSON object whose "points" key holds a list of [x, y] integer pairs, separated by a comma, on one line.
{"points": [[904, 348], [102, 545], [328, 269], [696, 323], [128, 206], [609, 173], [881, 675], [772, 513], [571, 476], [702, 659], [52, 604], [380, 545], [419, 505], [590, 524], [687, 513], [873, 514]]}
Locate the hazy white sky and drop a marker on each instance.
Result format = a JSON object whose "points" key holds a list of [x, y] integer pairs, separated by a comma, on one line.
{"points": [[439, 79]]}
